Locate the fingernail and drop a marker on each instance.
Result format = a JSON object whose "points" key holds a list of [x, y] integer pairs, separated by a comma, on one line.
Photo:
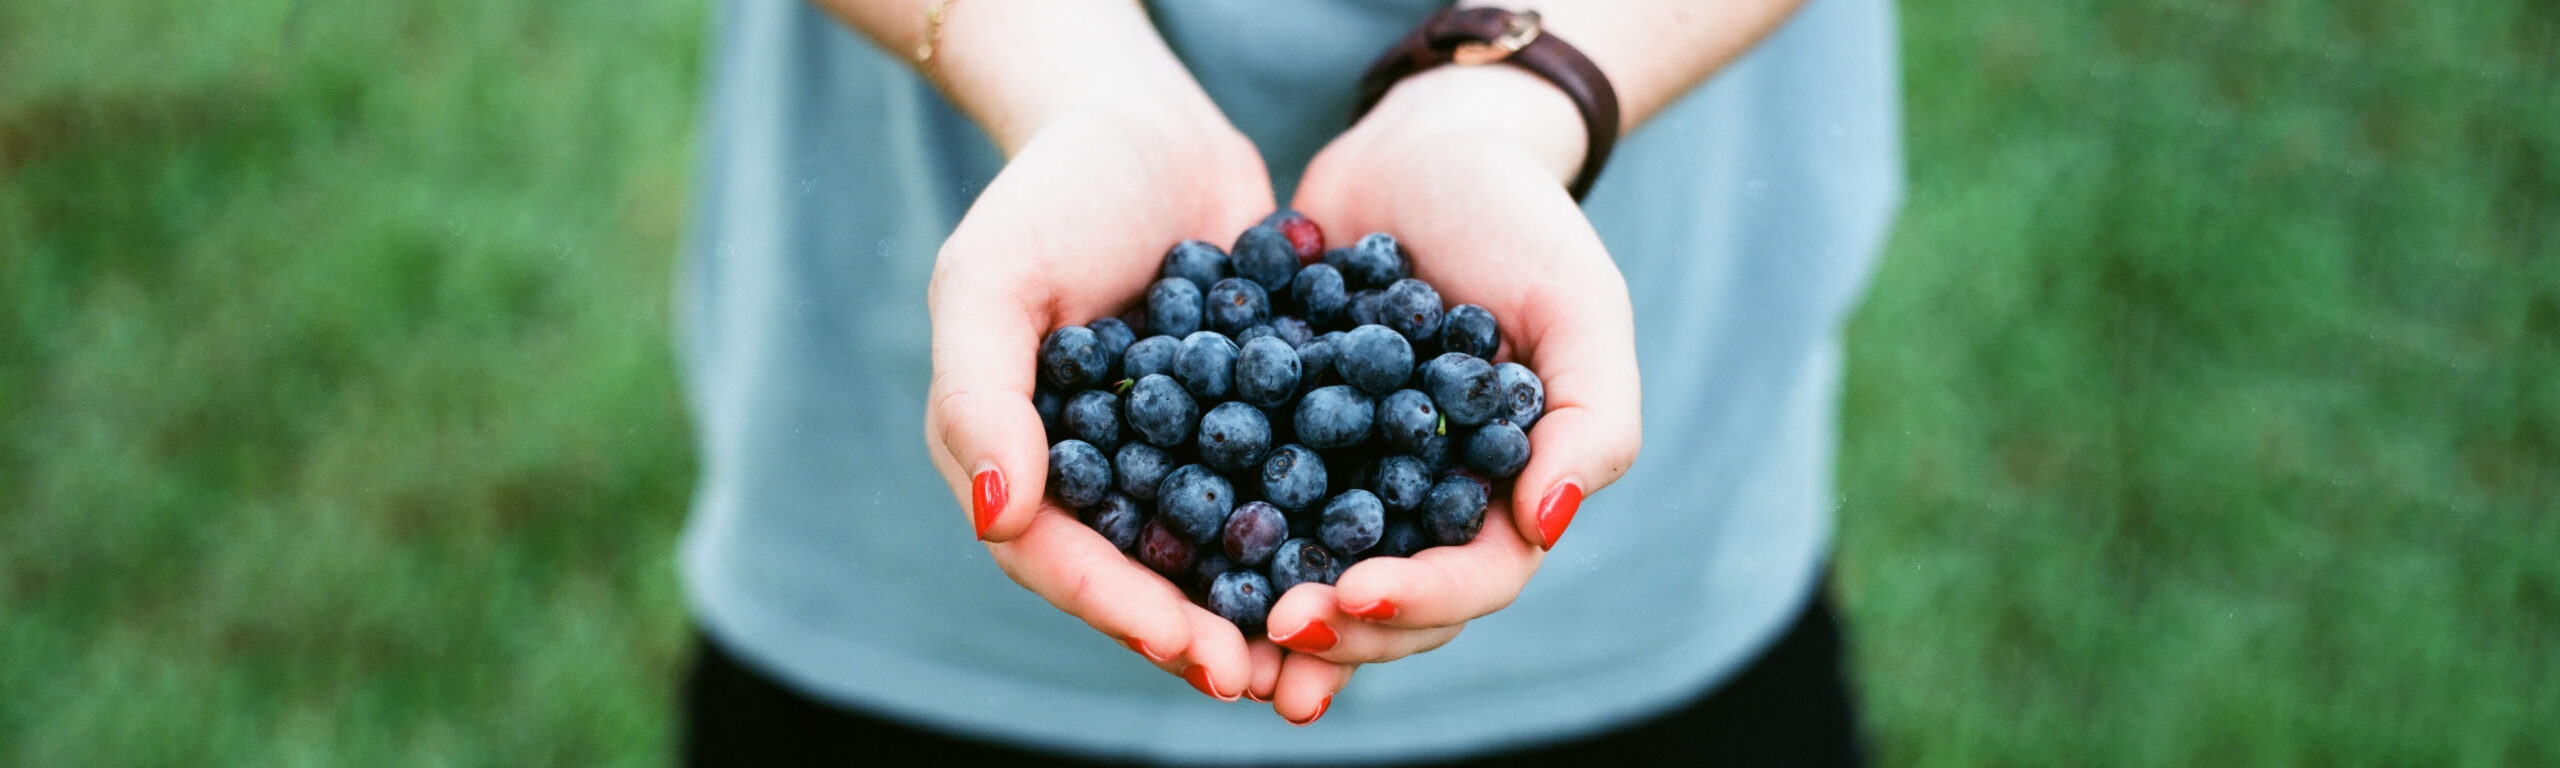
{"points": [[1142, 650], [1248, 693], [1381, 610], [1557, 510], [1315, 637], [989, 490], [1321, 706], [1198, 677]]}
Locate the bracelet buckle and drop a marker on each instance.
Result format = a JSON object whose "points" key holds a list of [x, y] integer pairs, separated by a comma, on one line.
{"points": [[1517, 33]]}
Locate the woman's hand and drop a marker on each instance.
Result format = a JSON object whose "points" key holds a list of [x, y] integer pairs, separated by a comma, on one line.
{"points": [[1466, 166], [1071, 230]]}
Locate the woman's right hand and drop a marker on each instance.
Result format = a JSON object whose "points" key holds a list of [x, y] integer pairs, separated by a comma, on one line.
{"points": [[1073, 229], [1113, 154]]}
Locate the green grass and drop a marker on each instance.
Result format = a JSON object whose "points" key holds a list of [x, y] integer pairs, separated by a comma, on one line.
{"points": [[337, 420], [2205, 411], [2207, 408]]}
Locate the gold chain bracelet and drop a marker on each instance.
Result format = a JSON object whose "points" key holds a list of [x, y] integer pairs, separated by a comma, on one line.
{"points": [[933, 13]]}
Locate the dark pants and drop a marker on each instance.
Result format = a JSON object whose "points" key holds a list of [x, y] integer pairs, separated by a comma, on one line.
{"points": [[1791, 707]]}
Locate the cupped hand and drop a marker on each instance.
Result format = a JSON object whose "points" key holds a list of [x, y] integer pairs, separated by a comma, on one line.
{"points": [[1070, 231], [1465, 166]]}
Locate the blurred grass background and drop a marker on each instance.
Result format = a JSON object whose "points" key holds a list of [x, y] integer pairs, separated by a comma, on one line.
{"points": [[2205, 411]]}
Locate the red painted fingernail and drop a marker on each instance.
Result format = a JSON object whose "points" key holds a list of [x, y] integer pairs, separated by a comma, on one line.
{"points": [[1321, 706], [1315, 637], [1381, 610], [1142, 650], [989, 490], [1198, 677], [1557, 510]]}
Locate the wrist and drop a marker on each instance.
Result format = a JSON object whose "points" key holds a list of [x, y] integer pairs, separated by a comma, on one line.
{"points": [[1017, 66], [1498, 102]]}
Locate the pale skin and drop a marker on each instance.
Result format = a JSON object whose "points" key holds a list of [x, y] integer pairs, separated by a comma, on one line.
{"points": [[1114, 153]]}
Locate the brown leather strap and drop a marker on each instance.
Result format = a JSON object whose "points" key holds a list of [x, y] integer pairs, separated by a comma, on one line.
{"points": [[1439, 39]]}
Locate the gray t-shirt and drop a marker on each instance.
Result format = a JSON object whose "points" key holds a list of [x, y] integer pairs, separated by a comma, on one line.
{"points": [[825, 551]]}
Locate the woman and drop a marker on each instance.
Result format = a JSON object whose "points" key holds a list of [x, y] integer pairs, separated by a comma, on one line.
{"points": [[863, 248]]}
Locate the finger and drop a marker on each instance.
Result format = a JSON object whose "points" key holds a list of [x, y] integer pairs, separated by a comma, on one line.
{"points": [[1220, 665], [1306, 687], [1585, 352], [1306, 621], [1324, 201], [987, 439], [1080, 573], [1266, 668], [1440, 586]]}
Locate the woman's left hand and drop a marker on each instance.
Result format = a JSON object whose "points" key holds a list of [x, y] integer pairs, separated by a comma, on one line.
{"points": [[1465, 166]]}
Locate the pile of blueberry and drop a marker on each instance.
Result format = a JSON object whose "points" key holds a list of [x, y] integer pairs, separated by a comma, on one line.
{"points": [[1291, 411]]}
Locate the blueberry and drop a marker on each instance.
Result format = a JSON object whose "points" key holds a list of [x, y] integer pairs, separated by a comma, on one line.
{"points": [[1454, 510], [1439, 453], [1498, 450], [1264, 255], [1153, 354], [1052, 408], [1139, 469], [1524, 396], [1315, 361], [1293, 329], [1175, 308], [1376, 359], [1235, 304], [1465, 387], [1306, 239], [1078, 473], [1117, 519], [1293, 477], [1373, 262], [1300, 561], [1195, 260], [1253, 531], [1334, 417], [1470, 329], [1163, 550], [1072, 358], [1093, 416], [1406, 419], [1318, 292], [1116, 338], [1412, 307], [1233, 438], [1403, 538], [1255, 332], [1195, 502], [1363, 307], [1266, 372], [1161, 411], [1353, 522], [1206, 567], [1400, 483], [1206, 365], [1242, 597]]}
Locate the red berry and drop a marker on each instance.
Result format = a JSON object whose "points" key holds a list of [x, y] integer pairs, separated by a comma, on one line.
{"points": [[1304, 236]]}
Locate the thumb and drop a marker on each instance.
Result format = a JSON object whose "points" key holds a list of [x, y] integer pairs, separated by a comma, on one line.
{"points": [[985, 436]]}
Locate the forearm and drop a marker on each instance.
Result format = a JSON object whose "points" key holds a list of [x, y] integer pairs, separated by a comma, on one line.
{"points": [[1014, 65], [1653, 52], [1656, 50]]}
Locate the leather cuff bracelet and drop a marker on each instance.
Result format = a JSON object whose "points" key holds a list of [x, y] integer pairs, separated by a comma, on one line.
{"points": [[1488, 35]]}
